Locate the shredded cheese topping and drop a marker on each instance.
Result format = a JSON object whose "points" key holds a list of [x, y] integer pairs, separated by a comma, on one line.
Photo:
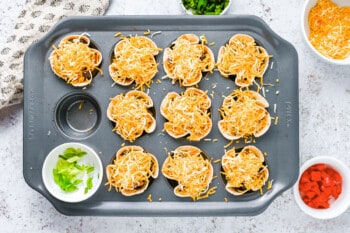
{"points": [[134, 61], [191, 170], [329, 27], [131, 114], [74, 61], [244, 171], [131, 171], [243, 115], [187, 114], [243, 58], [186, 59]]}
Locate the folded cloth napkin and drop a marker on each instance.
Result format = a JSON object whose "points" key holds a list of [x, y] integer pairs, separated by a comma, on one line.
{"points": [[36, 19]]}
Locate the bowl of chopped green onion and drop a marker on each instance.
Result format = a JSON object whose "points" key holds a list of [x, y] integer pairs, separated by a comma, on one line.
{"points": [[205, 7], [72, 172]]}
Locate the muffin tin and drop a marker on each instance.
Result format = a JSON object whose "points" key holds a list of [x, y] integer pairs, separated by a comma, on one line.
{"points": [[56, 113]]}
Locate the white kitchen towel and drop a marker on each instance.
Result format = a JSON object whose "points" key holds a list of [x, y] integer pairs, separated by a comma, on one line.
{"points": [[36, 18]]}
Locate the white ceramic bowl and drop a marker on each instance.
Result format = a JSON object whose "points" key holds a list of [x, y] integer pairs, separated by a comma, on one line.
{"points": [[91, 158], [305, 29], [191, 13], [341, 204]]}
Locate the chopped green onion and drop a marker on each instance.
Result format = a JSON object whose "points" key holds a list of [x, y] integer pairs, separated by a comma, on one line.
{"points": [[88, 185], [68, 173], [206, 7]]}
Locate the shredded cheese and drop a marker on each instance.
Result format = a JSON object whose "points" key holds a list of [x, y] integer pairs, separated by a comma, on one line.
{"points": [[131, 114], [134, 61], [243, 58], [131, 171], [187, 114], [155, 33], [329, 27], [228, 144], [147, 32], [118, 34], [243, 115], [269, 185], [80, 105], [217, 161], [244, 171], [187, 59], [149, 197], [191, 170], [74, 61]]}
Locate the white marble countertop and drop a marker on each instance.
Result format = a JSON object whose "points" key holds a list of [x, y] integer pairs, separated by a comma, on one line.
{"points": [[324, 94]]}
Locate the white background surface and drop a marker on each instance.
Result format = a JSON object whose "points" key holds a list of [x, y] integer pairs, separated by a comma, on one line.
{"points": [[324, 94]]}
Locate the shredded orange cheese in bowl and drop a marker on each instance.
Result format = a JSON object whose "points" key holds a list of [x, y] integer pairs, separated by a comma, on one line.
{"points": [[244, 115], [187, 114], [132, 170], [245, 170], [131, 114], [329, 29], [192, 170], [134, 61], [74, 61], [187, 59], [244, 59]]}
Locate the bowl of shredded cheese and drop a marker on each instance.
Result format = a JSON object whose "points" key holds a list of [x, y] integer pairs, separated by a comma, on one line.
{"points": [[323, 187], [326, 29]]}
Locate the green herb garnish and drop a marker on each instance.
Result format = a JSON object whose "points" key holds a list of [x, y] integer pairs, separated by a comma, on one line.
{"points": [[88, 185], [205, 7], [68, 173]]}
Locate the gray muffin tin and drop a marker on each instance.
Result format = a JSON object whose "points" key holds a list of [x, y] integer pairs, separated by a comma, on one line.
{"points": [[51, 115]]}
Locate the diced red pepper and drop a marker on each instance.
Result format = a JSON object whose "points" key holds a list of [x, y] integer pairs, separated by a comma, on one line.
{"points": [[320, 184], [311, 194], [316, 176], [319, 167]]}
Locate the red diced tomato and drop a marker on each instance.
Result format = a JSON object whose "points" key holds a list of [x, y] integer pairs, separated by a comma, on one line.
{"points": [[337, 178], [304, 179], [336, 192], [310, 194], [315, 176], [328, 181], [326, 191], [319, 184], [319, 166]]}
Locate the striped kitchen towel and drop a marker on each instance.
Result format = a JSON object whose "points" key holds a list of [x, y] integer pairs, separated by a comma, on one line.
{"points": [[35, 19]]}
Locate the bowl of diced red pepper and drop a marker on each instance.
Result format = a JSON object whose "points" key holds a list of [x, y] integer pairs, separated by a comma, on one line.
{"points": [[323, 188]]}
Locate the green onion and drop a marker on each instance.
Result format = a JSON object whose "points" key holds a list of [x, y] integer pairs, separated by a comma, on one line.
{"points": [[68, 173], [88, 185], [206, 7]]}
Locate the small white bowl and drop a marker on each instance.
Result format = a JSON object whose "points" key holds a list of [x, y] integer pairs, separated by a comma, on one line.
{"points": [[191, 13], [305, 30], [341, 204], [76, 196]]}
